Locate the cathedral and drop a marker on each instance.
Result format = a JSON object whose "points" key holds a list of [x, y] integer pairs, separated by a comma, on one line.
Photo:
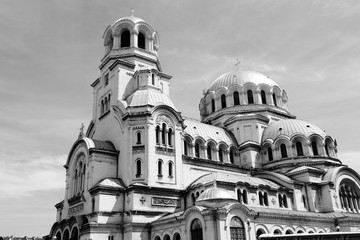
{"points": [[142, 171]]}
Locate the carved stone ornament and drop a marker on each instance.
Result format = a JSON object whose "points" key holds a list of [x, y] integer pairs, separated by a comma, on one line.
{"points": [[163, 119], [76, 209], [167, 202]]}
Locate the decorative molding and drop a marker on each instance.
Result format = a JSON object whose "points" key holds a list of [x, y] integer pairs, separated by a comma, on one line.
{"points": [[76, 209], [164, 151], [166, 202]]}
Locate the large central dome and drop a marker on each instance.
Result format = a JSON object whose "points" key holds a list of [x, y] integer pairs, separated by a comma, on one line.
{"points": [[239, 77]]}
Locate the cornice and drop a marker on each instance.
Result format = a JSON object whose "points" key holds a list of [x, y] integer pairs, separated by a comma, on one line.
{"points": [[96, 82]]}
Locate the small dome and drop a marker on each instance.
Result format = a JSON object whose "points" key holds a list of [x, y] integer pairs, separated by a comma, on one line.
{"points": [[214, 197], [238, 77], [150, 97], [130, 18], [289, 128]]}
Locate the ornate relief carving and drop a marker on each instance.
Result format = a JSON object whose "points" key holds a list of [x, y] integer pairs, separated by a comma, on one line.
{"points": [[164, 151], [76, 209], [163, 119], [168, 202]]}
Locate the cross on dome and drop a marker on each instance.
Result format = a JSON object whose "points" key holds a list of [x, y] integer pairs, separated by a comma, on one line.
{"points": [[237, 63], [132, 12]]}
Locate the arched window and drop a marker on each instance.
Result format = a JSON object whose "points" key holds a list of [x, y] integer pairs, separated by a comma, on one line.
{"points": [[196, 230], [170, 137], [244, 196], [288, 232], [163, 137], [170, 169], [141, 40], [102, 107], [58, 236], [193, 198], [138, 81], [280, 200], [66, 235], [236, 98], [277, 232], [83, 178], [263, 97], [185, 148], [177, 236], [197, 150], [93, 205], [221, 159], [239, 195], [108, 108], [208, 150], [299, 149], [157, 132], [157, 238], [159, 168], [152, 79], [259, 232], [106, 104], [125, 38], [223, 101], [138, 168], [285, 201], [283, 151], [212, 105], [270, 155], [261, 198], [266, 199], [236, 229], [327, 149], [231, 155], [314, 148], [167, 237], [274, 99], [300, 231], [138, 138], [250, 97]]}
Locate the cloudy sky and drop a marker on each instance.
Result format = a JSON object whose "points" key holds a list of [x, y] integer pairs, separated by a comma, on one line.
{"points": [[50, 52]]}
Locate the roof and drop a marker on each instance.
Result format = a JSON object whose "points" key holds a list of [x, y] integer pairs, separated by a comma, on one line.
{"points": [[233, 178], [131, 18], [115, 183], [149, 96], [218, 134], [239, 77], [290, 128]]}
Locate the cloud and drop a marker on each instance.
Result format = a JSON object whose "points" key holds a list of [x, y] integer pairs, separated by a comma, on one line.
{"points": [[23, 173]]}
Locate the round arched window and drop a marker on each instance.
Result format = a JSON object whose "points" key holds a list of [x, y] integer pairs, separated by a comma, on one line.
{"points": [[196, 230], [236, 229]]}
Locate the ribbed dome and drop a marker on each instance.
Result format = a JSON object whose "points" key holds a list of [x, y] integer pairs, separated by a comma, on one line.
{"points": [[289, 128], [146, 97], [214, 197], [241, 78], [131, 18]]}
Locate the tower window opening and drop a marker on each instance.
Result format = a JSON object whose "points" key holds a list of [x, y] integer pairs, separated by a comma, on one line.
{"points": [[223, 101], [239, 195], [270, 155], [125, 38], [314, 148], [261, 198], [236, 98], [285, 201], [157, 133], [138, 138], [263, 97], [280, 200], [138, 168], [170, 169], [212, 105], [141, 40], [266, 199], [250, 97], [185, 148], [159, 168], [170, 137], [221, 158], [274, 99], [163, 135], [208, 150], [231, 155], [283, 151], [299, 149]]}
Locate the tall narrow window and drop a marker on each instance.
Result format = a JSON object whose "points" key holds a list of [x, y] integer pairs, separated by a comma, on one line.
{"points": [[138, 138], [274, 99], [263, 97], [152, 79], [250, 97], [314, 148], [197, 150], [163, 139], [141, 40], [231, 155], [239, 195], [221, 159], [102, 107], [93, 205], [125, 39], [196, 230], [261, 198], [138, 168], [236, 229], [236, 98], [270, 155], [327, 149], [157, 132], [138, 81], [185, 148], [170, 137], [170, 169], [106, 104], [223, 101], [285, 201], [266, 199], [244, 196], [108, 107], [106, 79], [299, 149], [208, 150], [280, 200], [283, 151], [212, 105], [159, 168]]}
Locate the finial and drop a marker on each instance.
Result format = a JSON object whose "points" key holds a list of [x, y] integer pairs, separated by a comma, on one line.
{"points": [[132, 12], [81, 133], [237, 63]]}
